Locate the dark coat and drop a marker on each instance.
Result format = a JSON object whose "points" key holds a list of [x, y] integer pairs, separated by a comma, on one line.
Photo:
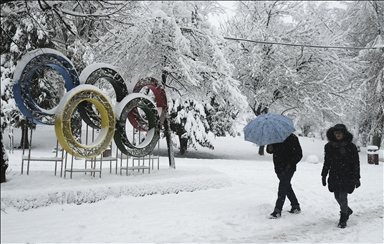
{"points": [[286, 154], [341, 160]]}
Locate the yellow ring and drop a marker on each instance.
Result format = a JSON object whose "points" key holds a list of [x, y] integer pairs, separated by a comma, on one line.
{"points": [[63, 121]]}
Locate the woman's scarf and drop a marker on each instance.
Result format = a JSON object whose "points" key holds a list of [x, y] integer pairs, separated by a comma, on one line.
{"points": [[340, 145]]}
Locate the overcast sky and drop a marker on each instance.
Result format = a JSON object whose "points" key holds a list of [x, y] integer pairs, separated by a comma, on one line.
{"points": [[228, 5]]}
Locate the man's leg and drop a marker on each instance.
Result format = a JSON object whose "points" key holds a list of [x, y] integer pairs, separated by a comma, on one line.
{"points": [[285, 189], [291, 194]]}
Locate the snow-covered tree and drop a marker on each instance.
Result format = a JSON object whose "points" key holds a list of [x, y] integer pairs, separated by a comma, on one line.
{"points": [[23, 30], [173, 43], [188, 120], [4, 161], [325, 88], [364, 26], [219, 117], [301, 82], [66, 26], [262, 69]]}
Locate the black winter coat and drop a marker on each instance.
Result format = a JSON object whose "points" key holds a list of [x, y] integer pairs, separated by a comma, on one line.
{"points": [[286, 154], [341, 160]]}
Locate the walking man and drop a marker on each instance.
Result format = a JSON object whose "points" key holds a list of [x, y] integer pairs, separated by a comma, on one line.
{"points": [[285, 157]]}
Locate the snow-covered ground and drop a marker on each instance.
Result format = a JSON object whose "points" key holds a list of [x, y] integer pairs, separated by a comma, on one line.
{"points": [[222, 196]]}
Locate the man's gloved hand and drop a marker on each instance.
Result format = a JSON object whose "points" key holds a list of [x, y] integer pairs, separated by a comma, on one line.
{"points": [[357, 183], [324, 181]]}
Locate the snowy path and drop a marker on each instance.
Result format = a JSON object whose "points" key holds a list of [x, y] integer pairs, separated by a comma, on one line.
{"points": [[231, 214], [235, 211]]}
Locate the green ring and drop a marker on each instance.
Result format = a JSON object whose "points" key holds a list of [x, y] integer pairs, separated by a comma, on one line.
{"points": [[132, 101]]}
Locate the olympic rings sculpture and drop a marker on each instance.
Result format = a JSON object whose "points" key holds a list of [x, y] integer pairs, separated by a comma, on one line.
{"points": [[83, 96]]}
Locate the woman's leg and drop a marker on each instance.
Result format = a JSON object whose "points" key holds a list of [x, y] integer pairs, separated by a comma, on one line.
{"points": [[341, 197]]}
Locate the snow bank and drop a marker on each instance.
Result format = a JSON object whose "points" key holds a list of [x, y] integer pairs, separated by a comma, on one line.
{"points": [[30, 199]]}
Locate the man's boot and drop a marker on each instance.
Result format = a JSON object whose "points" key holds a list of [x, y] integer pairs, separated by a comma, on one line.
{"points": [[343, 220], [349, 212]]}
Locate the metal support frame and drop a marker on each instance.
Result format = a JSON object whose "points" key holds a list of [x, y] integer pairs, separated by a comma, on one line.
{"points": [[29, 159]]}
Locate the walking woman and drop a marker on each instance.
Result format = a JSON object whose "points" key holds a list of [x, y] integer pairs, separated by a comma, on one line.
{"points": [[341, 161]]}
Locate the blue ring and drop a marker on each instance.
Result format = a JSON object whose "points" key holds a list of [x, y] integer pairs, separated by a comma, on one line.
{"points": [[22, 88]]}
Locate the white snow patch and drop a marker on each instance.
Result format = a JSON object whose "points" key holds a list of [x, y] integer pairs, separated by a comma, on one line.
{"points": [[78, 194], [312, 159], [223, 195]]}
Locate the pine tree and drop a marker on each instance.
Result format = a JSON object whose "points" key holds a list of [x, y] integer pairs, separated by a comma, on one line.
{"points": [[189, 122]]}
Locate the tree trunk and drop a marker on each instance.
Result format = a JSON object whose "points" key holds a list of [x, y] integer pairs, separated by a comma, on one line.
{"points": [[261, 150], [167, 133], [376, 140], [183, 145], [167, 130], [305, 129], [378, 134], [4, 161]]}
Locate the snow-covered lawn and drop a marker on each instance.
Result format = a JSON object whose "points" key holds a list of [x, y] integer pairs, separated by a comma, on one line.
{"points": [[223, 196]]}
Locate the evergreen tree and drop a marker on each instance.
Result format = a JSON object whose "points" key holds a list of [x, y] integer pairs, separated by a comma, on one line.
{"points": [[188, 120]]}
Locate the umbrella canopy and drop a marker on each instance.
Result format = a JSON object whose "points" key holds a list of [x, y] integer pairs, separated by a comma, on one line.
{"points": [[268, 129]]}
